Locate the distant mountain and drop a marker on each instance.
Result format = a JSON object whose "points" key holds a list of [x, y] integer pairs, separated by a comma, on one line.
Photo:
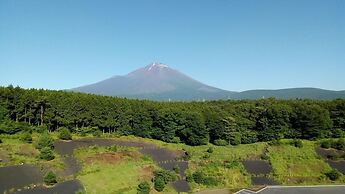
{"points": [[291, 93], [157, 81]]}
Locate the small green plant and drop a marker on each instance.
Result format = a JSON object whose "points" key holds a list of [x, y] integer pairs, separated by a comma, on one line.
{"points": [[46, 154], [143, 188], [97, 133], [26, 137], [44, 140], [162, 178], [220, 142], [159, 184], [210, 150], [50, 178], [333, 175], [64, 133], [176, 169], [326, 144], [112, 148]]}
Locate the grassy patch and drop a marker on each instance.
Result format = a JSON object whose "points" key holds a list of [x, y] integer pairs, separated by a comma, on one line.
{"points": [[292, 165], [13, 151], [106, 171]]}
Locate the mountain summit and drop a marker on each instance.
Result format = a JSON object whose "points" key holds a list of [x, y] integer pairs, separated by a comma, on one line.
{"points": [[155, 81]]}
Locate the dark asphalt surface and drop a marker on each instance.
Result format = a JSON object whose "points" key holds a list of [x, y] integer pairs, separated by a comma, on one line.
{"points": [[305, 190]]}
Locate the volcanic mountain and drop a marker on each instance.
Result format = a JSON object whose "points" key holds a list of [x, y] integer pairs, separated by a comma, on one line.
{"points": [[157, 81]]}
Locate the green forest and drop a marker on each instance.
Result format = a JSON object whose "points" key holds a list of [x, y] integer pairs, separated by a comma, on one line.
{"points": [[220, 122]]}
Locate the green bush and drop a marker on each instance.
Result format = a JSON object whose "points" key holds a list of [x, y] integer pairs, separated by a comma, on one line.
{"points": [[0, 140], [97, 133], [339, 144], [163, 177], [297, 143], [44, 140], [143, 188], [26, 137], [338, 133], [210, 150], [176, 169], [41, 129], [46, 153], [235, 138], [210, 181], [220, 142], [159, 184], [198, 177], [333, 175], [50, 178], [64, 133], [326, 144]]}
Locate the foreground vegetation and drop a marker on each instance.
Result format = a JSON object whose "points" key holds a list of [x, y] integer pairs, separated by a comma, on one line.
{"points": [[216, 137], [116, 170]]}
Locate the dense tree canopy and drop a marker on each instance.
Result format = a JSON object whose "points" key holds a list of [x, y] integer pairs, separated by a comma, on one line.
{"points": [[194, 123]]}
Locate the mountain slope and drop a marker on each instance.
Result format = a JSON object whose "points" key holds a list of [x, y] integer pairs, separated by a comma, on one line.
{"points": [[290, 93], [155, 81]]}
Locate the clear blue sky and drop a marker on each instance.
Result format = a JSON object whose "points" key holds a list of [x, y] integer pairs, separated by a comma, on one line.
{"points": [[234, 45]]}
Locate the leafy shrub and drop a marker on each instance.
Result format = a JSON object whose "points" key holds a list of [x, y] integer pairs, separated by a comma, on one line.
{"points": [[44, 140], [46, 153], [50, 178], [143, 188], [64, 133], [333, 175], [220, 142], [176, 169], [235, 138], [297, 143], [97, 133], [210, 181], [198, 177], [26, 137], [163, 177], [210, 150], [10, 127], [326, 144], [338, 133], [248, 137], [159, 184], [339, 144], [264, 157], [41, 129], [175, 140]]}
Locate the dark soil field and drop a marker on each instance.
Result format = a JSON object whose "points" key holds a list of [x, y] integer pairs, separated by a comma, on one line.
{"points": [[257, 167], [71, 186], [19, 176], [326, 153]]}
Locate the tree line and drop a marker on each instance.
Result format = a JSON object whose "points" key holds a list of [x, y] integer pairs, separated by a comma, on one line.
{"points": [[194, 123]]}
